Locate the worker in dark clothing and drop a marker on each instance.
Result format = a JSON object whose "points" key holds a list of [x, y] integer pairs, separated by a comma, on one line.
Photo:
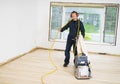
{"points": [[71, 39]]}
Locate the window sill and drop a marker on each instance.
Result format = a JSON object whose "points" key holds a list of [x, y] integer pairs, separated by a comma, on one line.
{"points": [[86, 42]]}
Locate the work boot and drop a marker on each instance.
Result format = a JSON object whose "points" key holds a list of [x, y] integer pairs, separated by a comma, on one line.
{"points": [[65, 64]]}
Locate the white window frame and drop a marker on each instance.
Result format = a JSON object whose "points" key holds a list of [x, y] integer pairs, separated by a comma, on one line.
{"points": [[94, 5]]}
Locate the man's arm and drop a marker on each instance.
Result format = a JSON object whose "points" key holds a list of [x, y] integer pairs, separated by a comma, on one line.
{"points": [[82, 29], [65, 27]]}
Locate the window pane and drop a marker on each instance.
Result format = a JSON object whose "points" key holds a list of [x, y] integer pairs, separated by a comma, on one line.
{"points": [[110, 24], [56, 20], [91, 18], [95, 20]]}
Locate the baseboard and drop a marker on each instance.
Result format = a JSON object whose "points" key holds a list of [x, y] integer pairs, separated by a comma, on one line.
{"points": [[89, 52], [32, 50], [16, 57]]}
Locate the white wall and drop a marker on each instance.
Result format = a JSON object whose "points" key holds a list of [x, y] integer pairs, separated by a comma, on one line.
{"points": [[42, 37], [24, 24], [18, 21]]}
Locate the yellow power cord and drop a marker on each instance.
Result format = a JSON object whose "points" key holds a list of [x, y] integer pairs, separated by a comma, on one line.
{"points": [[51, 60]]}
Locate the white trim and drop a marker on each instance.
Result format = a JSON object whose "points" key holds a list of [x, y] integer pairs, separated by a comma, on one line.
{"points": [[96, 5], [102, 26], [63, 16], [83, 4], [86, 42]]}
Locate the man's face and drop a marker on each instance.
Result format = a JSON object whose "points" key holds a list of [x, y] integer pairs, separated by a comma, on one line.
{"points": [[74, 16]]}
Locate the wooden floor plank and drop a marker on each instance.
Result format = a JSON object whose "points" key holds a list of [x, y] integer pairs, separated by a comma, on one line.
{"points": [[29, 68]]}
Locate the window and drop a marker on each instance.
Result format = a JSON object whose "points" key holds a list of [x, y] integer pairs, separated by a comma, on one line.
{"points": [[56, 20], [100, 20], [110, 24]]}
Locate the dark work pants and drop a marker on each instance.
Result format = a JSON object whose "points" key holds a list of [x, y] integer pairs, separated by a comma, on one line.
{"points": [[70, 42]]}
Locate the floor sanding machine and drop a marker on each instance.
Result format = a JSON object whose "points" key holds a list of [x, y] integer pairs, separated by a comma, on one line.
{"points": [[82, 63]]}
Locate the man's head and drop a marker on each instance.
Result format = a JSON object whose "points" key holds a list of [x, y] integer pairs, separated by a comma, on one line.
{"points": [[74, 15]]}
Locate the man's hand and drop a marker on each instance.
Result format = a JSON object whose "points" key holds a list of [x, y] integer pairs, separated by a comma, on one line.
{"points": [[59, 29]]}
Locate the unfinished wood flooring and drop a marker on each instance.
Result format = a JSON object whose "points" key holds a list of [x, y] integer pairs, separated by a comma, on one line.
{"points": [[29, 68]]}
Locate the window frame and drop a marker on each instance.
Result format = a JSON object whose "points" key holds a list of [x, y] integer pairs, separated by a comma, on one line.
{"points": [[92, 5]]}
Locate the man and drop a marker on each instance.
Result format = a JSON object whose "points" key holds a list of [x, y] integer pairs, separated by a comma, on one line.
{"points": [[71, 39]]}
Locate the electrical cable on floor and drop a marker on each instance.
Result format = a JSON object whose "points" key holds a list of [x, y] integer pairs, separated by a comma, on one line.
{"points": [[51, 60]]}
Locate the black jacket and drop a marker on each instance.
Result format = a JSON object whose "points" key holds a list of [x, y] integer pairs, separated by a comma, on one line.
{"points": [[73, 28]]}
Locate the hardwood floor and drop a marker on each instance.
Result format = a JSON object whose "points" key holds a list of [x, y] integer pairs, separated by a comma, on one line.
{"points": [[29, 68]]}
